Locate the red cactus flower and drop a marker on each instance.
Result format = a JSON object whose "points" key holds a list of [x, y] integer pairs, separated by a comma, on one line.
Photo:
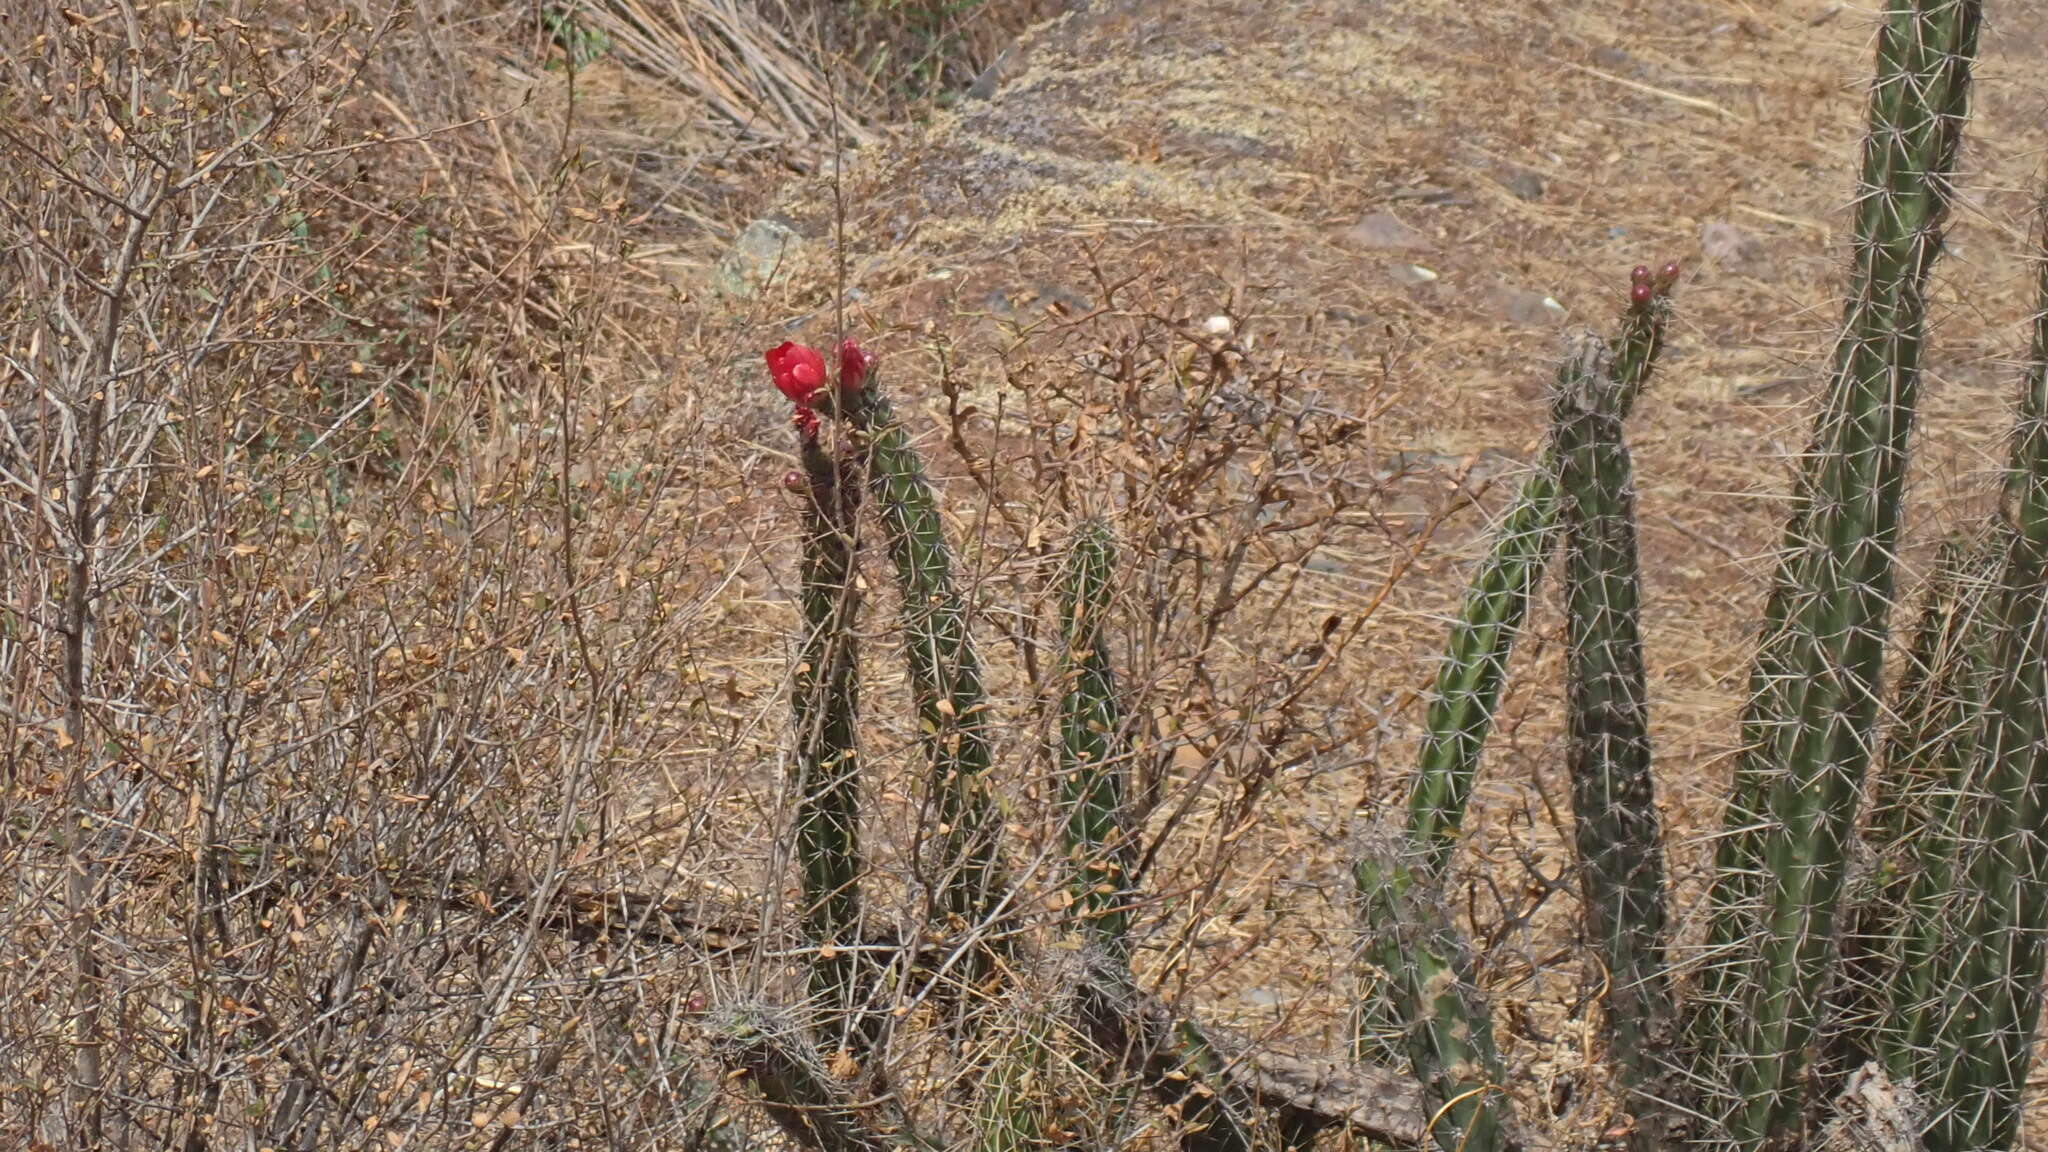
{"points": [[855, 363], [798, 371]]}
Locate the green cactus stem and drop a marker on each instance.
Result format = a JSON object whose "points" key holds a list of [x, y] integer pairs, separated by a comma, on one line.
{"points": [[1809, 729], [1172, 1055], [1093, 746], [825, 700], [1893, 949], [1446, 1029], [1620, 854], [1985, 1033], [1474, 668], [945, 676], [796, 1092]]}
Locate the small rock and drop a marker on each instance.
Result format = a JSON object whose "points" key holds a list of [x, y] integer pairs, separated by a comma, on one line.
{"points": [[1533, 309], [1729, 247], [1433, 197], [1411, 274], [765, 251], [1385, 230], [1523, 184]]}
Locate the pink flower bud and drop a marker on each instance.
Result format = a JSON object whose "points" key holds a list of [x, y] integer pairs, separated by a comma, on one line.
{"points": [[855, 363]]}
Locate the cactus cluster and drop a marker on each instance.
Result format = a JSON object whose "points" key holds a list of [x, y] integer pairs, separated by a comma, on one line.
{"points": [[1928, 970]]}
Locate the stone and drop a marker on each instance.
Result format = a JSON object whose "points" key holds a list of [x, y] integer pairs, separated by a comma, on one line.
{"points": [[765, 253], [1522, 184], [1531, 309], [1728, 247], [1384, 230]]}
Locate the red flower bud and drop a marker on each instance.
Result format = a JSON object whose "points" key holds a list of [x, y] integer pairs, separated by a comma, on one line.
{"points": [[1668, 275], [1640, 274], [793, 481], [855, 363], [1640, 294], [798, 371]]}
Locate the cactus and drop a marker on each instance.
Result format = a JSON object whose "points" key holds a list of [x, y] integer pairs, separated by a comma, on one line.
{"points": [[1093, 747], [945, 675], [1946, 990], [796, 1092], [1473, 671], [1425, 995], [1810, 723], [1173, 1055], [1446, 1030], [825, 699], [1474, 668], [1893, 949], [1620, 855], [1985, 1032]]}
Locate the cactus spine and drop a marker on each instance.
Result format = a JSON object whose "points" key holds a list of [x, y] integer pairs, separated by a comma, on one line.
{"points": [[1620, 854], [1984, 1037], [1810, 722], [1093, 747], [825, 699]]}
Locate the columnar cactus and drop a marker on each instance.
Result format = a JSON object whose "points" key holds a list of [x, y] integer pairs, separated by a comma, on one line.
{"points": [[1985, 1031], [1893, 949], [1473, 671], [1093, 746], [1809, 728], [1422, 989], [825, 698], [1613, 803], [945, 674]]}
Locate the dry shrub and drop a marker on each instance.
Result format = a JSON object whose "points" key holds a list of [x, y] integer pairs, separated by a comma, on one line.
{"points": [[351, 579]]}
